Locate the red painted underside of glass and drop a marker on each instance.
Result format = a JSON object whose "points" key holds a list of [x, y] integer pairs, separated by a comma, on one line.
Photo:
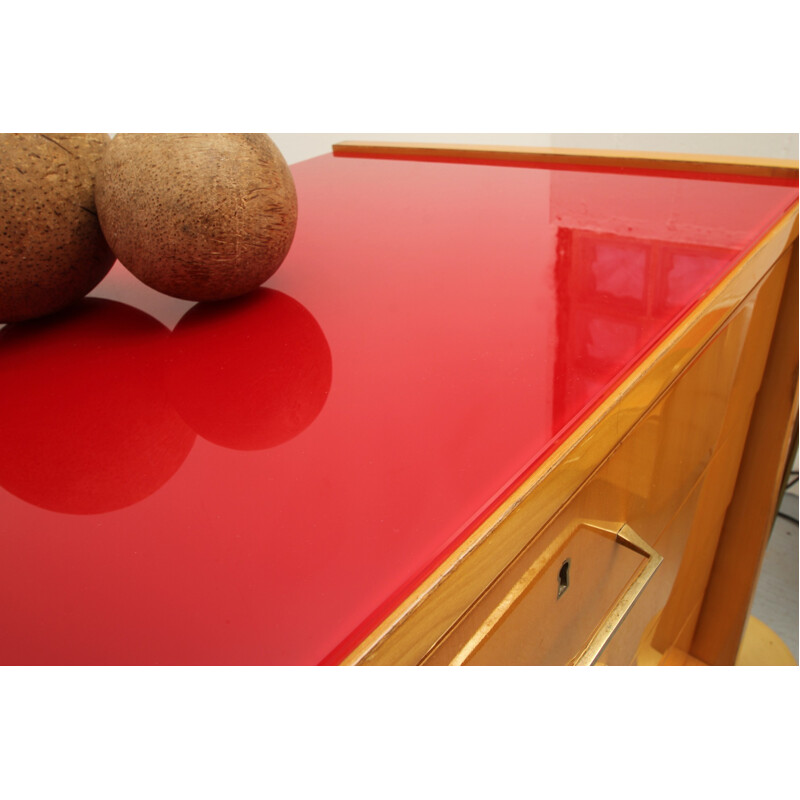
{"points": [[260, 482]]}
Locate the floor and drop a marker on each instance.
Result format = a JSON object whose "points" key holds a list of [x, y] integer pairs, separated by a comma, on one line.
{"points": [[776, 598]]}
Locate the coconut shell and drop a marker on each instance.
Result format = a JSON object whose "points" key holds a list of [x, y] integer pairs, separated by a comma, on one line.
{"points": [[52, 250], [200, 216]]}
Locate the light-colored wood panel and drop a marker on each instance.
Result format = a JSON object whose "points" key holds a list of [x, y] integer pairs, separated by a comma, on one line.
{"points": [[749, 518], [409, 633], [679, 616], [735, 165]]}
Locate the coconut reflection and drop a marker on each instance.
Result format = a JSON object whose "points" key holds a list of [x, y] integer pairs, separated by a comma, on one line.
{"points": [[86, 426], [250, 373]]}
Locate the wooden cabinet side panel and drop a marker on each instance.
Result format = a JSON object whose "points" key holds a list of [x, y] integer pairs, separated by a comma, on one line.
{"points": [[676, 623], [749, 518], [721, 479]]}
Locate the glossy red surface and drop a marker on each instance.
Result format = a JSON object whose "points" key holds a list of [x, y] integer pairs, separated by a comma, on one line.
{"points": [[259, 482]]}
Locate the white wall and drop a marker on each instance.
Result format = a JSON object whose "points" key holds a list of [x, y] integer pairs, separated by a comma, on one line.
{"points": [[299, 146]]}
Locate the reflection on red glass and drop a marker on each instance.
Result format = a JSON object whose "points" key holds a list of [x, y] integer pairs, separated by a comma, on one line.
{"points": [[249, 373], [85, 423], [615, 296]]}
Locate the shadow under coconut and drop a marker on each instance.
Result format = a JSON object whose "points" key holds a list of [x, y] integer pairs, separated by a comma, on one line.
{"points": [[250, 373], [86, 426]]}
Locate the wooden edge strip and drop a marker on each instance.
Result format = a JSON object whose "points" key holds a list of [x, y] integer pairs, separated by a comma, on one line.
{"points": [[681, 162], [654, 375]]}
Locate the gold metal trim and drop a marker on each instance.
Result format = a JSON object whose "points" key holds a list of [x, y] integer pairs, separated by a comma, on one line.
{"points": [[627, 537]]}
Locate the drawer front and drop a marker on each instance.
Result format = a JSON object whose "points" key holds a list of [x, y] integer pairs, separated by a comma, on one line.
{"points": [[553, 611], [527, 616]]}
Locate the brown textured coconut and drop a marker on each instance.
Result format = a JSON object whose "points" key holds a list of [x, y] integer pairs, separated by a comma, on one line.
{"points": [[52, 250], [199, 216]]}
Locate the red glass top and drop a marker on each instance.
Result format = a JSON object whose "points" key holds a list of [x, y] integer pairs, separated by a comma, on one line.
{"points": [[261, 481]]}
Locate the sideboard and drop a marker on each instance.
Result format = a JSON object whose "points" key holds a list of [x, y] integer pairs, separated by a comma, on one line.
{"points": [[500, 406]]}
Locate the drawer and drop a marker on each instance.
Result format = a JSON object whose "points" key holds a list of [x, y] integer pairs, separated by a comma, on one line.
{"points": [[545, 607], [552, 612]]}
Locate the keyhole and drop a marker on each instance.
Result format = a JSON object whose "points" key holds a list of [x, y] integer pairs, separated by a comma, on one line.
{"points": [[563, 579]]}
